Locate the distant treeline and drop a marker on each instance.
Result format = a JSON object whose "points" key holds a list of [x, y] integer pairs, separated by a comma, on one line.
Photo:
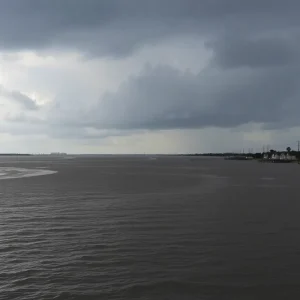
{"points": [[254, 155], [257, 155], [13, 154]]}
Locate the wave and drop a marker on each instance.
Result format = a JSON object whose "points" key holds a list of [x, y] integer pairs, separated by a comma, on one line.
{"points": [[13, 173]]}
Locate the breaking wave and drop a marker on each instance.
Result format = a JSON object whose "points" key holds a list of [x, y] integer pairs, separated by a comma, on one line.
{"points": [[12, 173]]}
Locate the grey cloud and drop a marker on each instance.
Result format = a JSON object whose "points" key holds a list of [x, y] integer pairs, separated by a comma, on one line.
{"points": [[23, 124], [117, 27], [83, 133], [256, 52], [21, 118], [253, 76], [164, 98], [25, 101]]}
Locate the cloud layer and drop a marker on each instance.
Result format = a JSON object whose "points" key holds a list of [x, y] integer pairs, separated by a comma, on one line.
{"points": [[115, 27], [104, 69]]}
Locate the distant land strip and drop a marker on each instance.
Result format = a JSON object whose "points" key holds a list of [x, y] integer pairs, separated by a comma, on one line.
{"points": [[15, 154]]}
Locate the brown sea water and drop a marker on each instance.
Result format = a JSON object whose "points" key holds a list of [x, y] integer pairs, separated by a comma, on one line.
{"points": [[148, 228]]}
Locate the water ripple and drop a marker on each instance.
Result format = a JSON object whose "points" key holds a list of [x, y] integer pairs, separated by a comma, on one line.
{"points": [[142, 234]]}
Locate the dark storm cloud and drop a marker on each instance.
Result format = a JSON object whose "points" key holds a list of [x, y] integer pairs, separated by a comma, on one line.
{"points": [[256, 52], [117, 27], [163, 98], [253, 75]]}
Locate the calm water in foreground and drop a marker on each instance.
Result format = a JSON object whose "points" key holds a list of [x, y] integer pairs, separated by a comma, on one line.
{"points": [[141, 228]]}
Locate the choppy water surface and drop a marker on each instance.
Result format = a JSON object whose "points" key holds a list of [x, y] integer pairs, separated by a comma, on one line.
{"points": [[140, 228]]}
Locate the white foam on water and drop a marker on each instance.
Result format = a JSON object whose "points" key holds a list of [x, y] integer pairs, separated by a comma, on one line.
{"points": [[13, 173]]}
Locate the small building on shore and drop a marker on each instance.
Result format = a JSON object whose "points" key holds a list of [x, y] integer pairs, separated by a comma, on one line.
{"points": [[277, 157]]}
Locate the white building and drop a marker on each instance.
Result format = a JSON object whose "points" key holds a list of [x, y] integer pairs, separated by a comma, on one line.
{"points": [[287, 156], [283, 156]]}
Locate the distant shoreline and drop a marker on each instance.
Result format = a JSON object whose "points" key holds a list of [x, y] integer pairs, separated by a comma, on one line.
{"points": [[186, 154], [14, 154], [220, 154], [217, 154]]}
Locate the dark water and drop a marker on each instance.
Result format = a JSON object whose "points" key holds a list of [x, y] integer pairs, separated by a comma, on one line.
{"points": [[137, 228]]}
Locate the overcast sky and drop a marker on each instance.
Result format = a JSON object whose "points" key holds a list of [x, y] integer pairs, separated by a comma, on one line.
{"points": [[159, 76]]}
